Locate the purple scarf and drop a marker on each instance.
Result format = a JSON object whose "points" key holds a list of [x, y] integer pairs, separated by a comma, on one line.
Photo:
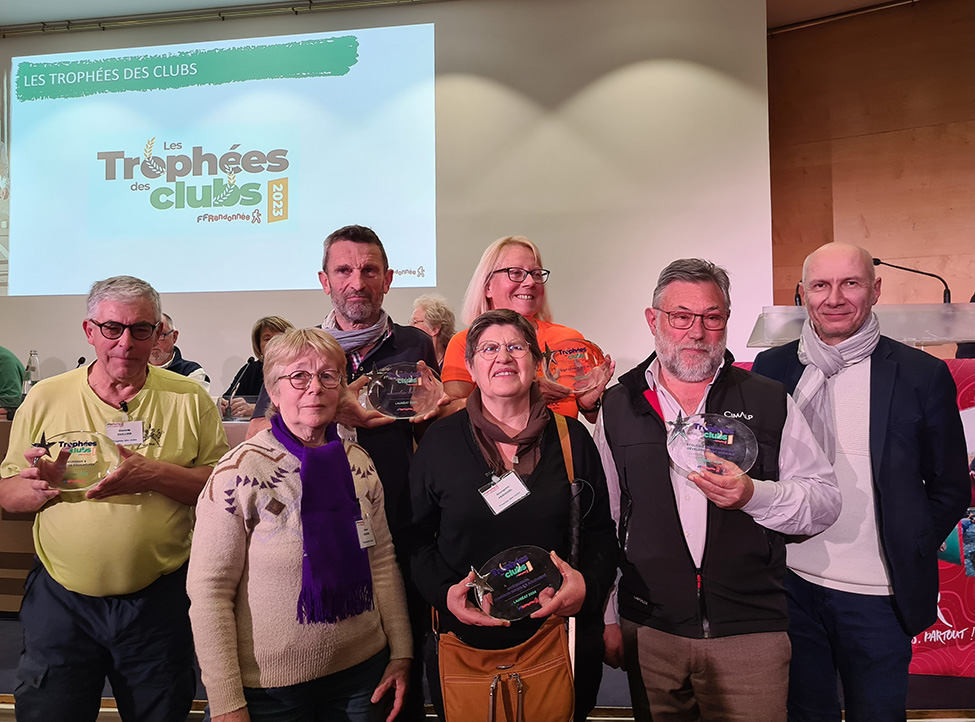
{"points": [[336, 582]]}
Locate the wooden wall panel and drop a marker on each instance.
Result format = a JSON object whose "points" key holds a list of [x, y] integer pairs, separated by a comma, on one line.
{"points": [[872, 141]]}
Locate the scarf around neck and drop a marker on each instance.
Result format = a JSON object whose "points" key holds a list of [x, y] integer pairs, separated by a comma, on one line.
{"points": [[356, 338], [488, 434], [336, 581], [822, 362]]}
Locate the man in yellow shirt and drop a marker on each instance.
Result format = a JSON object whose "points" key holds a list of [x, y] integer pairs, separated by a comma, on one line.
{"points": [[107, 596]]}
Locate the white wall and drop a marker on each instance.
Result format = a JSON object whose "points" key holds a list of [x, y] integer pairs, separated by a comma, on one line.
{"points": [[617, 134]]}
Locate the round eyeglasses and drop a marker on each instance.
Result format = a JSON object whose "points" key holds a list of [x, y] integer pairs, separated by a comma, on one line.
{"points": [[490, 349], [113, 329], [301, 380], [683, 320], [517, 274]]}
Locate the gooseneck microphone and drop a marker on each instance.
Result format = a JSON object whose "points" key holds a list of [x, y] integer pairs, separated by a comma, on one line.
{"points": [[240, 374], [81, 362], [947, 293]]}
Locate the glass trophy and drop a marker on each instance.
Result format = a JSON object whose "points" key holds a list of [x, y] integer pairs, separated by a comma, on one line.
{"points": [[571, 363], [91, 457], [704, 441], [404, 390], [509, 584]]}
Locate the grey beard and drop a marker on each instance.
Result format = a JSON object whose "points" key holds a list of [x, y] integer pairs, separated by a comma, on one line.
{"points": [[689, 372]]}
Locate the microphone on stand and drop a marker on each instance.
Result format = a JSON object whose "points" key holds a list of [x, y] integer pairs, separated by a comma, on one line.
{"points": [[798, 298], [81, 362], [947, 292], [228, 414], [240, 374]]}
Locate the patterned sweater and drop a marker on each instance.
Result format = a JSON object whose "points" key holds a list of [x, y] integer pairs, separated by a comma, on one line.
{"points": [[245, 577]]}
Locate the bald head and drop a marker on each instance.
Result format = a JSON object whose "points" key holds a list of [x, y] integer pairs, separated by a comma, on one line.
{"points": [[839, 287], [846, 253]]}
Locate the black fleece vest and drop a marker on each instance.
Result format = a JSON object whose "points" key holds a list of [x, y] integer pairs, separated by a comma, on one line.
{"points": [[738, 589]]}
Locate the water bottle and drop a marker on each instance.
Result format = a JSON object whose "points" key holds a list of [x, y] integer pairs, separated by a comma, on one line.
{"points": [[33, 370]]}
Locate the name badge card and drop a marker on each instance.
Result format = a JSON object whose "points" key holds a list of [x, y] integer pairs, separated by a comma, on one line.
{"points": [[504, 492], [126, 433], [364, 528]]}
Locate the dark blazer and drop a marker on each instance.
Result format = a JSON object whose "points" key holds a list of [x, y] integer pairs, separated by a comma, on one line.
{"points": [[920, 464]]}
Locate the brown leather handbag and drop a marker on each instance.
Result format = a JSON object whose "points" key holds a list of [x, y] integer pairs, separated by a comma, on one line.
{"points": [[530, 682]]}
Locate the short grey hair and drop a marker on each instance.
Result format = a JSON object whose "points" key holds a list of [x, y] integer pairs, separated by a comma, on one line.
{"points": [[123, 289], [693, 270], [169, 320], [501, 317]]}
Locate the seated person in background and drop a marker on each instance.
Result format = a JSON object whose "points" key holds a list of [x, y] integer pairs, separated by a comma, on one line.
{"points": [[510, 275], [249, 380], [11, 382], [433, 316], [165, 355]]}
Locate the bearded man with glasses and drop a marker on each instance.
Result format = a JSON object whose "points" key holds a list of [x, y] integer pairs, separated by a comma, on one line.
{"points": [[107, 594], [700, 618]]}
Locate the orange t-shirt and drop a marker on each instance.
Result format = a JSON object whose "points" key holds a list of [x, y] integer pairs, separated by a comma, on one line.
{"points": [[455, 369]]}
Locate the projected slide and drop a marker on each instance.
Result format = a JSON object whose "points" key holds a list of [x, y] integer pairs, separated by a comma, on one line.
{"points": [[222, 166]]}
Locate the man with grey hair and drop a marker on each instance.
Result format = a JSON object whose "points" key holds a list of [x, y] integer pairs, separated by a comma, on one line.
{"points": [[888, 419], [107, 594], [701, 625], [166, 354]]}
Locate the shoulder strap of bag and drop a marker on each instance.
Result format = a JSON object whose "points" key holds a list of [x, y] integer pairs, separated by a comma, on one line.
{"points": [[566, 445]]}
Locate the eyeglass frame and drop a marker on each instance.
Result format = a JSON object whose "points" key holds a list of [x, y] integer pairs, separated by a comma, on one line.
{"points": [[543, 272], [525, 350], [126, 326], [291, 379], [694, 317]]}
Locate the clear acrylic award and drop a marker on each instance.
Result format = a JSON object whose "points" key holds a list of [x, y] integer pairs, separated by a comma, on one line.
{"points": [[704, 441], [571, 363], [509, 584], [404, 390], [91, 457]]}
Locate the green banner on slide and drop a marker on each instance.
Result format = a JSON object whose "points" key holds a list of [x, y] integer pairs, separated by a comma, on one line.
{"points": [[81, 78]]}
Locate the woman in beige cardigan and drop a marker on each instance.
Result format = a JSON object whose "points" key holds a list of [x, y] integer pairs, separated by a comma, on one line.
{"points": [[297, 603]]}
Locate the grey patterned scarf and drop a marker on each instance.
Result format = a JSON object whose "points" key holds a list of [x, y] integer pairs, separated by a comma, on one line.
{"points": [[823, 361]]}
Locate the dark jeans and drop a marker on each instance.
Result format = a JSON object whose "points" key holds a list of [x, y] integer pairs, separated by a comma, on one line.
{"points": [[141, 642], [855, 635], [340, 697]]}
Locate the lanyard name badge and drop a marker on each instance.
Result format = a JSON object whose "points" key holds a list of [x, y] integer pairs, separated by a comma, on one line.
{"points": [[363, 528], [503, 492]]}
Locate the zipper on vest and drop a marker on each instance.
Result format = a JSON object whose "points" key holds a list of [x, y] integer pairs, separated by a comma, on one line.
{"points": [[705, 624]]}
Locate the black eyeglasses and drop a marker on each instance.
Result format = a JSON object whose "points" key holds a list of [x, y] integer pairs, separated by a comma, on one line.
{"points": [[683, 320], [490, 349], [113, 329], [517, 274], [301, 380]]}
